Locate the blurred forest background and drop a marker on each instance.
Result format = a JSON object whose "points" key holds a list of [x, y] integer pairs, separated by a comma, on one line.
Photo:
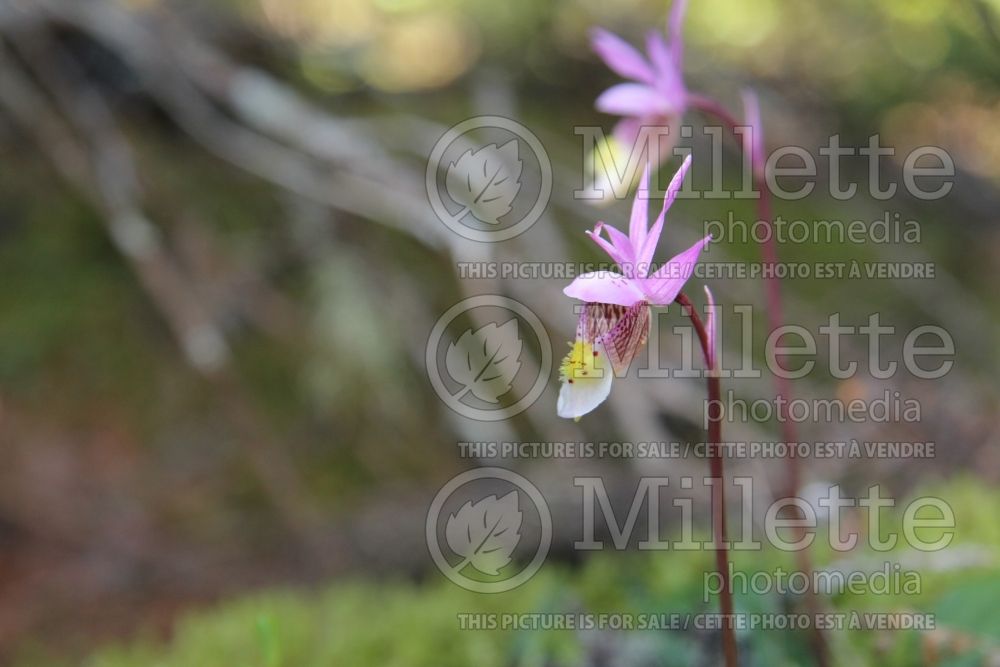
{"points": [[218, 271]]}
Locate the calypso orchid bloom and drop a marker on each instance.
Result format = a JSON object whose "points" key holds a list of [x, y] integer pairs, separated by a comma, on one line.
{"points": [[655, 96], [615, 319]]}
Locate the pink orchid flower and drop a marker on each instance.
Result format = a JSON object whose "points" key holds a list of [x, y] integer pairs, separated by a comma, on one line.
{"points": [[615, 319], [656, 96]]}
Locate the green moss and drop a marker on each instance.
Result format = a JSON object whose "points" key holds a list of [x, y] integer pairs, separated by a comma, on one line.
{"points": [[401, 624]]}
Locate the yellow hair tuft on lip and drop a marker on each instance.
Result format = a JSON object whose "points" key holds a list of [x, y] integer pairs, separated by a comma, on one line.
{"points": [[584, 362]]}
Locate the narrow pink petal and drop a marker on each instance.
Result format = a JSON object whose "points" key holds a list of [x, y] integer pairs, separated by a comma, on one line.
{"points": [[639, 222], [614, 253], [630, 99], [621, 56], [645, 254], [659, 53], [675, 28], [676, 183], [753, 137], [663, 286], [604, 287], [669, 78], [621, 243], [710, 328]]}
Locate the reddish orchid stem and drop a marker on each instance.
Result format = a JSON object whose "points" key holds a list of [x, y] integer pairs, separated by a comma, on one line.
{"points": [[718, 490], [775, 317], [772, 285]]}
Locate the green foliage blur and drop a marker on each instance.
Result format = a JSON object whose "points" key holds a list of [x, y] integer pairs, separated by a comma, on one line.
{"points": [[399, 624]]}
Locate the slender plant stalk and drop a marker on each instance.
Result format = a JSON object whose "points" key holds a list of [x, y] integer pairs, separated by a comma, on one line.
{"points": [[718, 485], [775, 318]]}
